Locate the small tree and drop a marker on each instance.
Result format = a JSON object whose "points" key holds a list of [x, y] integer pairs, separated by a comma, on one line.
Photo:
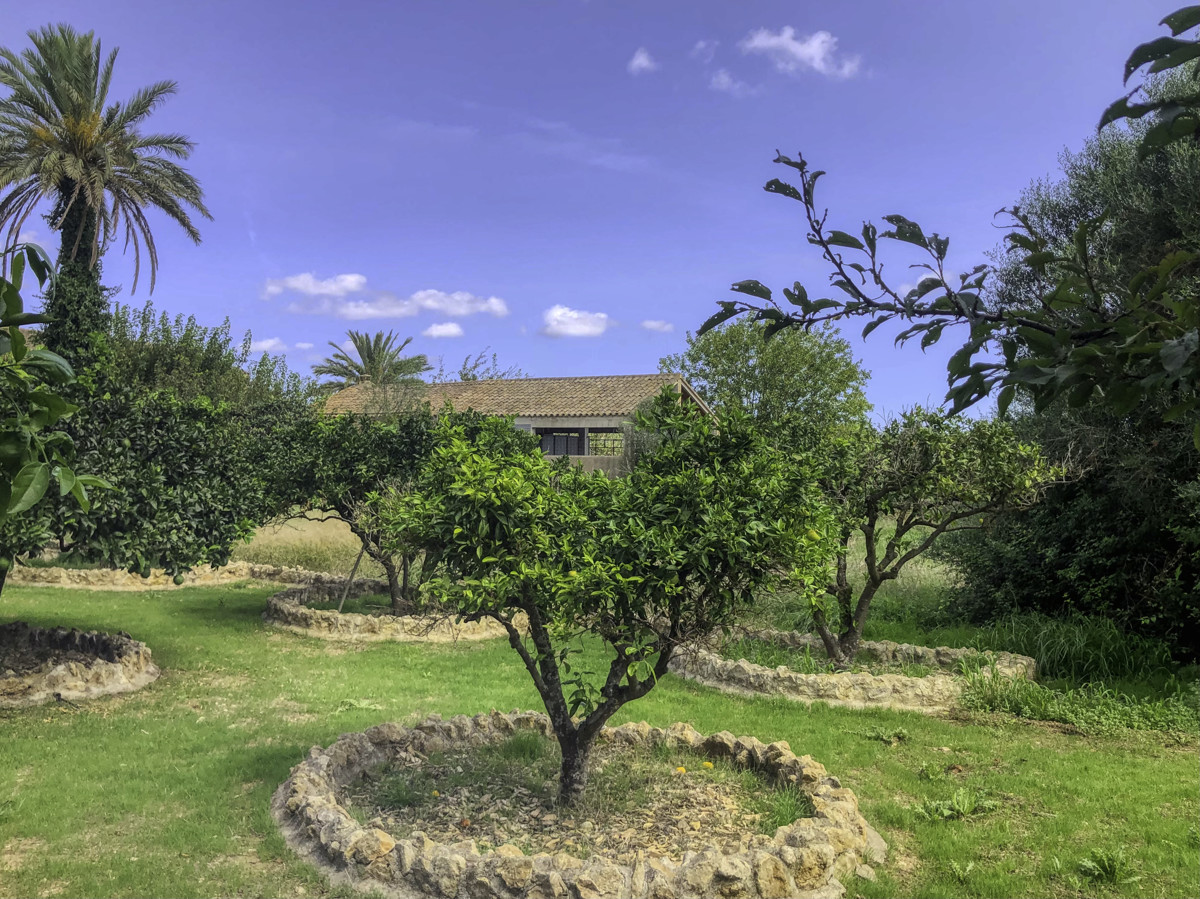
{"points": [[807, 376], [643, 564], [903, 487], [346, 458]]}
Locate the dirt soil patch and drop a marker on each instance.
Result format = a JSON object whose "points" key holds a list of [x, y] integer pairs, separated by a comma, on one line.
{"points": [[639, 802], [17, 660]]}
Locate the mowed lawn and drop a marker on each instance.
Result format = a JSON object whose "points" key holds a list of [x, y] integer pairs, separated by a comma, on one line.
{"points": [[165, 792]]}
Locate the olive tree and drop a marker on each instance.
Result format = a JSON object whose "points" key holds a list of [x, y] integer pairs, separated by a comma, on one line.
{"points": [[903, 486], [570, 563]]}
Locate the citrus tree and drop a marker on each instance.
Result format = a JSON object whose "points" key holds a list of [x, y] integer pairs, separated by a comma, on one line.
{"points": [[599, 582], [901, 488]]}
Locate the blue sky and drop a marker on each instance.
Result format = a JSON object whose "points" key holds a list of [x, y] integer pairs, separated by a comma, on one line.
{"points": [[575, 184]]}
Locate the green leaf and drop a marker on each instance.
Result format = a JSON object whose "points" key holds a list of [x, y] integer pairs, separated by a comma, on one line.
{"points": [[17, 271], [753, 288], [1004, 400], [28, 486], [728, 311], [49, 366], [1151, 51], [842, 239], [66, 480], [872, 325], [1182, 20], [797, 296]]}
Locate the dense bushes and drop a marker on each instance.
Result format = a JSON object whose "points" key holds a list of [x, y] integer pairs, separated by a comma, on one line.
{"points": [[1122, 538]]}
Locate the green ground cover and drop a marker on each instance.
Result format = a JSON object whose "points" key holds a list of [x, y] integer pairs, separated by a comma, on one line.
{"points": [[165, 792]]}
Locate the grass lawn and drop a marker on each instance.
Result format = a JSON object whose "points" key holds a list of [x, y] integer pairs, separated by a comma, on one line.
{"points": [[165, 792]]}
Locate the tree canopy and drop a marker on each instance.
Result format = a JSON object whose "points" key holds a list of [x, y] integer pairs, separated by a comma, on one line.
{"points": [[800, 376], [380, 361], [645, 563]]}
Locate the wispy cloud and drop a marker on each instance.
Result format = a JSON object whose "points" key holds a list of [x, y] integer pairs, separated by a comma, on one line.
{"points": [[269, 345], [791, 54], [333, 296], [704, 51], [414, 129], [562, 140], [563, 321], [723, 82], [443, 329], [641, 63], [456, 304], [310, 285], [657, 324], [304, 346]]}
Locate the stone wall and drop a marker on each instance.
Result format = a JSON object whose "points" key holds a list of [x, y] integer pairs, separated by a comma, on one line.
{"points": [[108, 579], [932, 694], [809, 858], [118, 664], [886, 652], [290, 610]]}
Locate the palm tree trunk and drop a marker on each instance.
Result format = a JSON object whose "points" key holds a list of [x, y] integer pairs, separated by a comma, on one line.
{"points": [[76, 301]]}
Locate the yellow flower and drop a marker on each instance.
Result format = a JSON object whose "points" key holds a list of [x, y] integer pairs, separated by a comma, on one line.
{"points": [[681, 770], [707, 764], [436, 794]]}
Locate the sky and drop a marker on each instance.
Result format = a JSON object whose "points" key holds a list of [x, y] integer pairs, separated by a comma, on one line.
{"points": [[574, 184]]}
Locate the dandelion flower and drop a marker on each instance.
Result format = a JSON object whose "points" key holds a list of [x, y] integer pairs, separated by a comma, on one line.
{"points": [[681, 770], [707, 764], [436, 794]]}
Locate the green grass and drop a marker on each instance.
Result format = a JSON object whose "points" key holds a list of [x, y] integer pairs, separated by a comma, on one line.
{"points": [[165, 791]]}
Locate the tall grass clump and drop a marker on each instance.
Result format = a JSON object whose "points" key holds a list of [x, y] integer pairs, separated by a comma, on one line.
{"points": [[1091, 708], [1080, 648]]}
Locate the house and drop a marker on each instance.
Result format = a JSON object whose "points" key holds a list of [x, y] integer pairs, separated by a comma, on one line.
{"points": [[583, 418]]}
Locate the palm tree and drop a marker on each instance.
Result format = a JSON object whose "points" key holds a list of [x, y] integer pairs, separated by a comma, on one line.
{"points": [[62, 140], [379, 362]]}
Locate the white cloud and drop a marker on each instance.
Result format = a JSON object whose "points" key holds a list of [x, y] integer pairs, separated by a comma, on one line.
{"points": [[725, 83], [657, 324], [443, 329], [641, 62], [560, 139], [309, 285], [331, 297], [704, 51], [305, 346], [35, 237], [563, 321], [791, 54], [270, 345]]}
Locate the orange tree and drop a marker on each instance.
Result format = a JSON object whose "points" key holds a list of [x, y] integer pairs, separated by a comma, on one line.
{"points": [[640, 565]]}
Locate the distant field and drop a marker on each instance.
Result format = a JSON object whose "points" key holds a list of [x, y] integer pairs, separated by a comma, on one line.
{"points": [[307, 543]]}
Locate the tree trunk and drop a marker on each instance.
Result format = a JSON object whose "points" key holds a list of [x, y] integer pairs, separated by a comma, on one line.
{"points": [[394, 589], [76, 301], [573, 774], [350, 580]]}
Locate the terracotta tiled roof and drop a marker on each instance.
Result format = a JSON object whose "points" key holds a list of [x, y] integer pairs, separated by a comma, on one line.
{"points": [[604, 395]]}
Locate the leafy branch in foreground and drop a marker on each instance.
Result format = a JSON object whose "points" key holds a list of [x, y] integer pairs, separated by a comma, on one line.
{"points": [[1177, 117], [1088, 332], [32, 451]]}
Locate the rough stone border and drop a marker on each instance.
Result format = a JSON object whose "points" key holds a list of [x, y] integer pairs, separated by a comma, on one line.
{"points": [[290, 610], [109, 579], [121, 665], [932, 694], [805, 859]]}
